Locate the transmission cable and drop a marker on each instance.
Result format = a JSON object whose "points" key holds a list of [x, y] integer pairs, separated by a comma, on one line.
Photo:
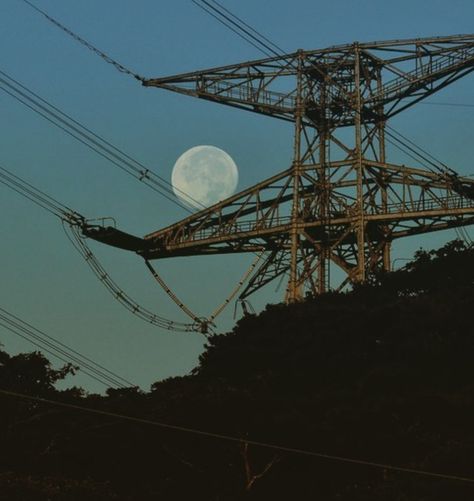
{"points": [[56, 355], [120, 67], [76, 221], [111, 153], [234, 439], [237, 26], [38, 197], [61, 351], [92, 140], [205, 9], [459, 105], [251, 28], [79, 242], [422, 153]]}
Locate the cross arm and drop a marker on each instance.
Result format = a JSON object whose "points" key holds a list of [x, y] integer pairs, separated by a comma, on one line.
{"points": [[252, 86]]}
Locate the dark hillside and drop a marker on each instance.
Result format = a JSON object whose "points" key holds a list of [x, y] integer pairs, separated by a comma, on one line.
{"points": [[384, 373]]}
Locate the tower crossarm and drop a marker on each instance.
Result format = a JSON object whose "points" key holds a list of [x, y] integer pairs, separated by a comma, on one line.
{"points": [[249, 220], [257, 86], [259, 217], [415, 69], [393, 76]]}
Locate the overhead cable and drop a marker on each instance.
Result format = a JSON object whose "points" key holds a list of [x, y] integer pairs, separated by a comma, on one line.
{"points": [[79, 242], [61, 351], [251, 28], [237, 26], [230, 438], [76, 222], [458, 105], [85, 43], [420, 152], [91, 139], [38, 197]]}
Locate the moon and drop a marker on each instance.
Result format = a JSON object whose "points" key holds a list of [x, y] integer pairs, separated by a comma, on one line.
{"points": [[203, 176]]}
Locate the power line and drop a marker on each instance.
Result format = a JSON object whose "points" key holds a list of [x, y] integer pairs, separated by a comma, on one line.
{"points": [[459, 105], [90, 139], [251, 28], [60, 350], [117, 292], [143, 173], [37, 196], [248, 40], [107, 382], [230, 438], [120, 67], [422, 153], [75, 222], [102, 147], [235, 24]]}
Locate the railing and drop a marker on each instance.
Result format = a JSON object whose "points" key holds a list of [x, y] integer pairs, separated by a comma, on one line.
{"points": [[239, 228], [443, 203], [236, 227], [246, 92], [430, 68]]}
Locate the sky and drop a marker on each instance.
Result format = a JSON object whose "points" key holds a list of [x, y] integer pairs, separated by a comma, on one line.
{"points": [[44, 281]]}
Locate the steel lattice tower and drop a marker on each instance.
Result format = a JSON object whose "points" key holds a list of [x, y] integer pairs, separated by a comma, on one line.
{"points": [[340, 202]]}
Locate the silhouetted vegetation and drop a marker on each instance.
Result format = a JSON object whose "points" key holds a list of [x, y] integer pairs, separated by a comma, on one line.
{"points": [[383, 373]]}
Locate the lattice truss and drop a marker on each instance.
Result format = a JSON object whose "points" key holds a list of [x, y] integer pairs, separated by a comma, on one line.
{"points": [[340, 202]]}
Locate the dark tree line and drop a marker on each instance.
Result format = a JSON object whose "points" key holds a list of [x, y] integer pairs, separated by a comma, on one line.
{"points": [[383, 373]]}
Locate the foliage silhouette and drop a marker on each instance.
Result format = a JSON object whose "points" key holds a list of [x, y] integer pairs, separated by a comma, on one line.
{"points": [[383, 373]]}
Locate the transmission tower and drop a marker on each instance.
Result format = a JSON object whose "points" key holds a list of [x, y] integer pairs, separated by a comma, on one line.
{"points": [[340, 202]]}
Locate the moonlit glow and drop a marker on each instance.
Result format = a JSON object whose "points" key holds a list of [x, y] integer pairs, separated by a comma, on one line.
{"points": [[203, 176]]}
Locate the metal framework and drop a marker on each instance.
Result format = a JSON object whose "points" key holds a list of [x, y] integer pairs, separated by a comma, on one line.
{"points": [[340, 202]]}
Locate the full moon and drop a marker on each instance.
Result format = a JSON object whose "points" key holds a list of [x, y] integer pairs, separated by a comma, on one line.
{"points": [[203, 176]]}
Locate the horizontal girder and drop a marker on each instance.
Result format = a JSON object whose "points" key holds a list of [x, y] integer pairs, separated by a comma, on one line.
{"points": [[259, 218], [394, 74]]}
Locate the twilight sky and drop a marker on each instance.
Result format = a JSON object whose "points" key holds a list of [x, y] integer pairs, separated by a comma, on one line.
{"points": [[44, 281]]}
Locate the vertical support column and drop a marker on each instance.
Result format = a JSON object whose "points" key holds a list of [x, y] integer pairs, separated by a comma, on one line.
{"points": [[386, 258], [294, 292], [360, 224], [324, 202]]}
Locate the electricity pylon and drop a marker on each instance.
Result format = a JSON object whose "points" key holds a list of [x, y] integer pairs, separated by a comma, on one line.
{"points": [[340, 202]]}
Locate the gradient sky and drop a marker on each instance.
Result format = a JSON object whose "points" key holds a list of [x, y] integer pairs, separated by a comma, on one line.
{"points": [[44, 281]]}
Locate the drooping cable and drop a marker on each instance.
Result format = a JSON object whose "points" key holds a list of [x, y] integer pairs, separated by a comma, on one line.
{"points": [[96, 143], [92, 140], [120, 67], [204, 324], [79, 242], [170, 293], [75, 222], [236, 289]]}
